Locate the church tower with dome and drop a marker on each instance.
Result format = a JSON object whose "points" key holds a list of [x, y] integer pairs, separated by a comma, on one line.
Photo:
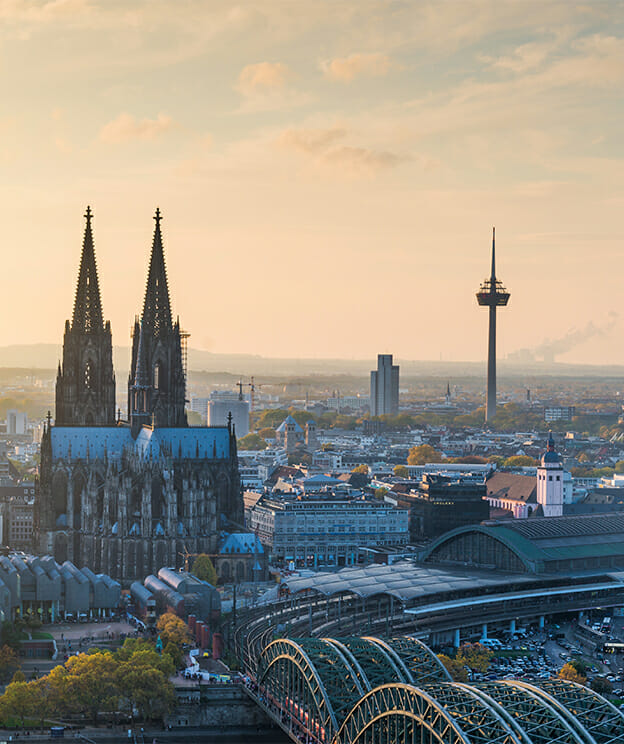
{"points": [[550, 481]]}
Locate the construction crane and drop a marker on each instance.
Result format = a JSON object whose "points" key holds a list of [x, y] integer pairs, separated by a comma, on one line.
{"points": [[252, 386]]}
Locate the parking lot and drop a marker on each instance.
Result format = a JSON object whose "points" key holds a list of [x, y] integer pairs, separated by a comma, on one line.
{"points": [[540, 654]]}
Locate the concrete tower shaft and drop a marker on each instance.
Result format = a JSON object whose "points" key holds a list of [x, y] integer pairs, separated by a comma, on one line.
{"points": [[492, 294]]}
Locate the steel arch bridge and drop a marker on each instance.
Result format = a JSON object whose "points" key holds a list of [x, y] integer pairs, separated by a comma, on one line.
{"points": [[396, 691]]}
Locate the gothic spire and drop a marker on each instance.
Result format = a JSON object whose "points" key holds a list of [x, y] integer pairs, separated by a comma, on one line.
{"points": [[157, 308], [87, 317]]}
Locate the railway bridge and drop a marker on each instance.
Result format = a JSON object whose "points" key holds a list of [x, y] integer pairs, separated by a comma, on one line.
{"points": [[367, 690]]}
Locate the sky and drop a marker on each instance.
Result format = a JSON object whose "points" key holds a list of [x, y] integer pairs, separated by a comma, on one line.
{"points": [[328, 172]]}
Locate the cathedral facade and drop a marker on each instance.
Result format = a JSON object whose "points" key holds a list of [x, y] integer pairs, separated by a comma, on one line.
{"points": [[126, 498]]}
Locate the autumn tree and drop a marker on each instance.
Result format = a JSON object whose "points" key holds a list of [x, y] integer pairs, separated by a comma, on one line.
{"points": [[20, 700], [363, 469], [571, 672], [143, 684], [173, 630], [88, 685], [204, 569], [475, 656], [454, 668], [401, 471], [422, 454], [267, 433]]}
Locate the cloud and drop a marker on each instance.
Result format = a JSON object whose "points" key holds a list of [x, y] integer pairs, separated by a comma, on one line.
{"points": [[346, 69], [263, 78], [126, 127], [268, 85], [326, 147]]}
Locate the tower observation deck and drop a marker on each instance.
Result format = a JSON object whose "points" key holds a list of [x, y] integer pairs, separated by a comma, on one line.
{"points": [[492, 294]]}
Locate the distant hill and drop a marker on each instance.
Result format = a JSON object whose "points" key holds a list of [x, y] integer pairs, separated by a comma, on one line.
{"points": [[46, 356]]}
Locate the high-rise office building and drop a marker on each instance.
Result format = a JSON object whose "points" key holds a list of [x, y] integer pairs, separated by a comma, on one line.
{"points": [[384, 390]]}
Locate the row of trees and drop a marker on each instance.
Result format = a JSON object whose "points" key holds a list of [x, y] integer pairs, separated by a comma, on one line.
{"points": [[424, 453], [134, 680]]}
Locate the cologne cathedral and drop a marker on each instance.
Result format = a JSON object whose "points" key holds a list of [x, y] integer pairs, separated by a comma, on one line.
{"points": [[127, 497]]}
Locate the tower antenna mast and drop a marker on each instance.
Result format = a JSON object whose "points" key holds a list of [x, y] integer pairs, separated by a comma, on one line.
{"points": [[492, 294]]}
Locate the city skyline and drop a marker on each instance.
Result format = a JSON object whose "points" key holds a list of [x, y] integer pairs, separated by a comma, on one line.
{"points": [[355, 158]]}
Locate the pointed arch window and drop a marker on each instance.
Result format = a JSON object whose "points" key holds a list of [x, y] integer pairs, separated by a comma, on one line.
{"points": [[89, 375], [157, 376]]}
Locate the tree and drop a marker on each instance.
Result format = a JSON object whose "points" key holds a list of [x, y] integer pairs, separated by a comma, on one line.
{"points": [[20, 700], [380, 493], [422, 454], [454, 668], [145, 688], [401, 471], [204, 569], [475, 656], [267, 433], [175, 652], [173, 630], [571, 673], [89, 685], [252, 442], [619, 466], [363, 469], [519, 461], [601, 685], [9, 661]]}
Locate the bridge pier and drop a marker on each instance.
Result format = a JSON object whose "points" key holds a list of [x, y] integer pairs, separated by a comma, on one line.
{"points": [[512, 626], [484, 634], [457, 639], [542, 622]]}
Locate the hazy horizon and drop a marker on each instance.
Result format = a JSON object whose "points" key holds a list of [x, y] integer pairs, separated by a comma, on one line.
{"points": [[329, 173]]}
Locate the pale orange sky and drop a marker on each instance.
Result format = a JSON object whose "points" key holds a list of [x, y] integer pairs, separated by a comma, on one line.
{"points": [[328, 172]]}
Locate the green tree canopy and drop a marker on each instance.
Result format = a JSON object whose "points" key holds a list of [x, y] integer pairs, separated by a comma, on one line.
{"points": [[267, 433], [252, 442], [204, 569], [519, 461], [363, 469], [401, 471], [601, 685]]}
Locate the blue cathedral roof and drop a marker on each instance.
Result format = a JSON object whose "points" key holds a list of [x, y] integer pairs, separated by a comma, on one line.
{"points": [[80, 442]]}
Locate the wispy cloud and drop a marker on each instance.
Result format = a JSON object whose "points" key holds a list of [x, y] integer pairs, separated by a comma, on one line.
{"points": [[346, 69], [263, 78], [328, 147], [125, 128], [268, 85]]}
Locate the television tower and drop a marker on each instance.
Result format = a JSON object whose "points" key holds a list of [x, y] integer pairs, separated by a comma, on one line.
{"points": [[492, 294]]}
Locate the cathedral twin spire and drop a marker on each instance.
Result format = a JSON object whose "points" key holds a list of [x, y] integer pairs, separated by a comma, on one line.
{"points": [[85, 390], [156, 308], [87, 316]]}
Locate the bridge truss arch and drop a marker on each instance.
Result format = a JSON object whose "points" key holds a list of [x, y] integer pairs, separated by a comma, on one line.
{"points": [[395, 691]]}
